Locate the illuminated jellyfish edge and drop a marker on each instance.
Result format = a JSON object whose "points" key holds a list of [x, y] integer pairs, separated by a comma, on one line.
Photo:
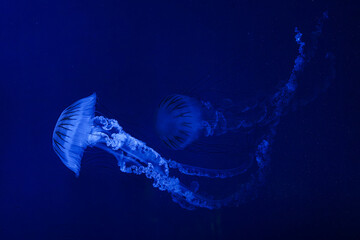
{"points": [[70, 136]]}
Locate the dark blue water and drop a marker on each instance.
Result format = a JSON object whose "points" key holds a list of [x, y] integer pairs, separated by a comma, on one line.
{"points": [[132, 54]]}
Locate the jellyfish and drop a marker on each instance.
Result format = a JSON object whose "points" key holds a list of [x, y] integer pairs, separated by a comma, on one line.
{"points": [[181, 120], [178, 121]]}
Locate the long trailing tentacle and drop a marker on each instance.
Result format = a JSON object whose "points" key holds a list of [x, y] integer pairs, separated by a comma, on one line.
{"points": [[210, 173]]}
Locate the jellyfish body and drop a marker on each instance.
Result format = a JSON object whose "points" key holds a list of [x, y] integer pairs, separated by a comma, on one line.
{"points": [[78, 128], [72, 130], [178, 121], [182, 119]]}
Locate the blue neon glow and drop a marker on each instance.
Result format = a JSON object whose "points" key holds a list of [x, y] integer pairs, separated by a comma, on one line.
{"points": [[180, 121]]}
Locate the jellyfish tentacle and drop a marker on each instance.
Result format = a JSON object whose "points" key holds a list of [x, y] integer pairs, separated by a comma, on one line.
{"points": [[210, 173], [135, 157], [189, 199], [111, 137], [114, 137]]}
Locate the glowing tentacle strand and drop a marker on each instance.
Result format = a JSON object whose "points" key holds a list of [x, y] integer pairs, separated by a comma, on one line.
{"points": [[109, 132]]}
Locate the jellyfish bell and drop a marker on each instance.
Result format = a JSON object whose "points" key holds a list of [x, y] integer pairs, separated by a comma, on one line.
{"points": [[181, 120], [72, 131], [178, 121], [210, 106]]}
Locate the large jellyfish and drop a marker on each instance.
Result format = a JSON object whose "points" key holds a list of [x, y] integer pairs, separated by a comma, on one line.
{"points": [[181, 120]]}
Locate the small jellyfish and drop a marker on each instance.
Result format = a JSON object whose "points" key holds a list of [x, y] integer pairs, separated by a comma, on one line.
{"points": [[181, 120], [178, 121]]}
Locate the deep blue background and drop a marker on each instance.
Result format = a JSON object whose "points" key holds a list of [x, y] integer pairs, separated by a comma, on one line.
{"points": [[133, 53]]}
